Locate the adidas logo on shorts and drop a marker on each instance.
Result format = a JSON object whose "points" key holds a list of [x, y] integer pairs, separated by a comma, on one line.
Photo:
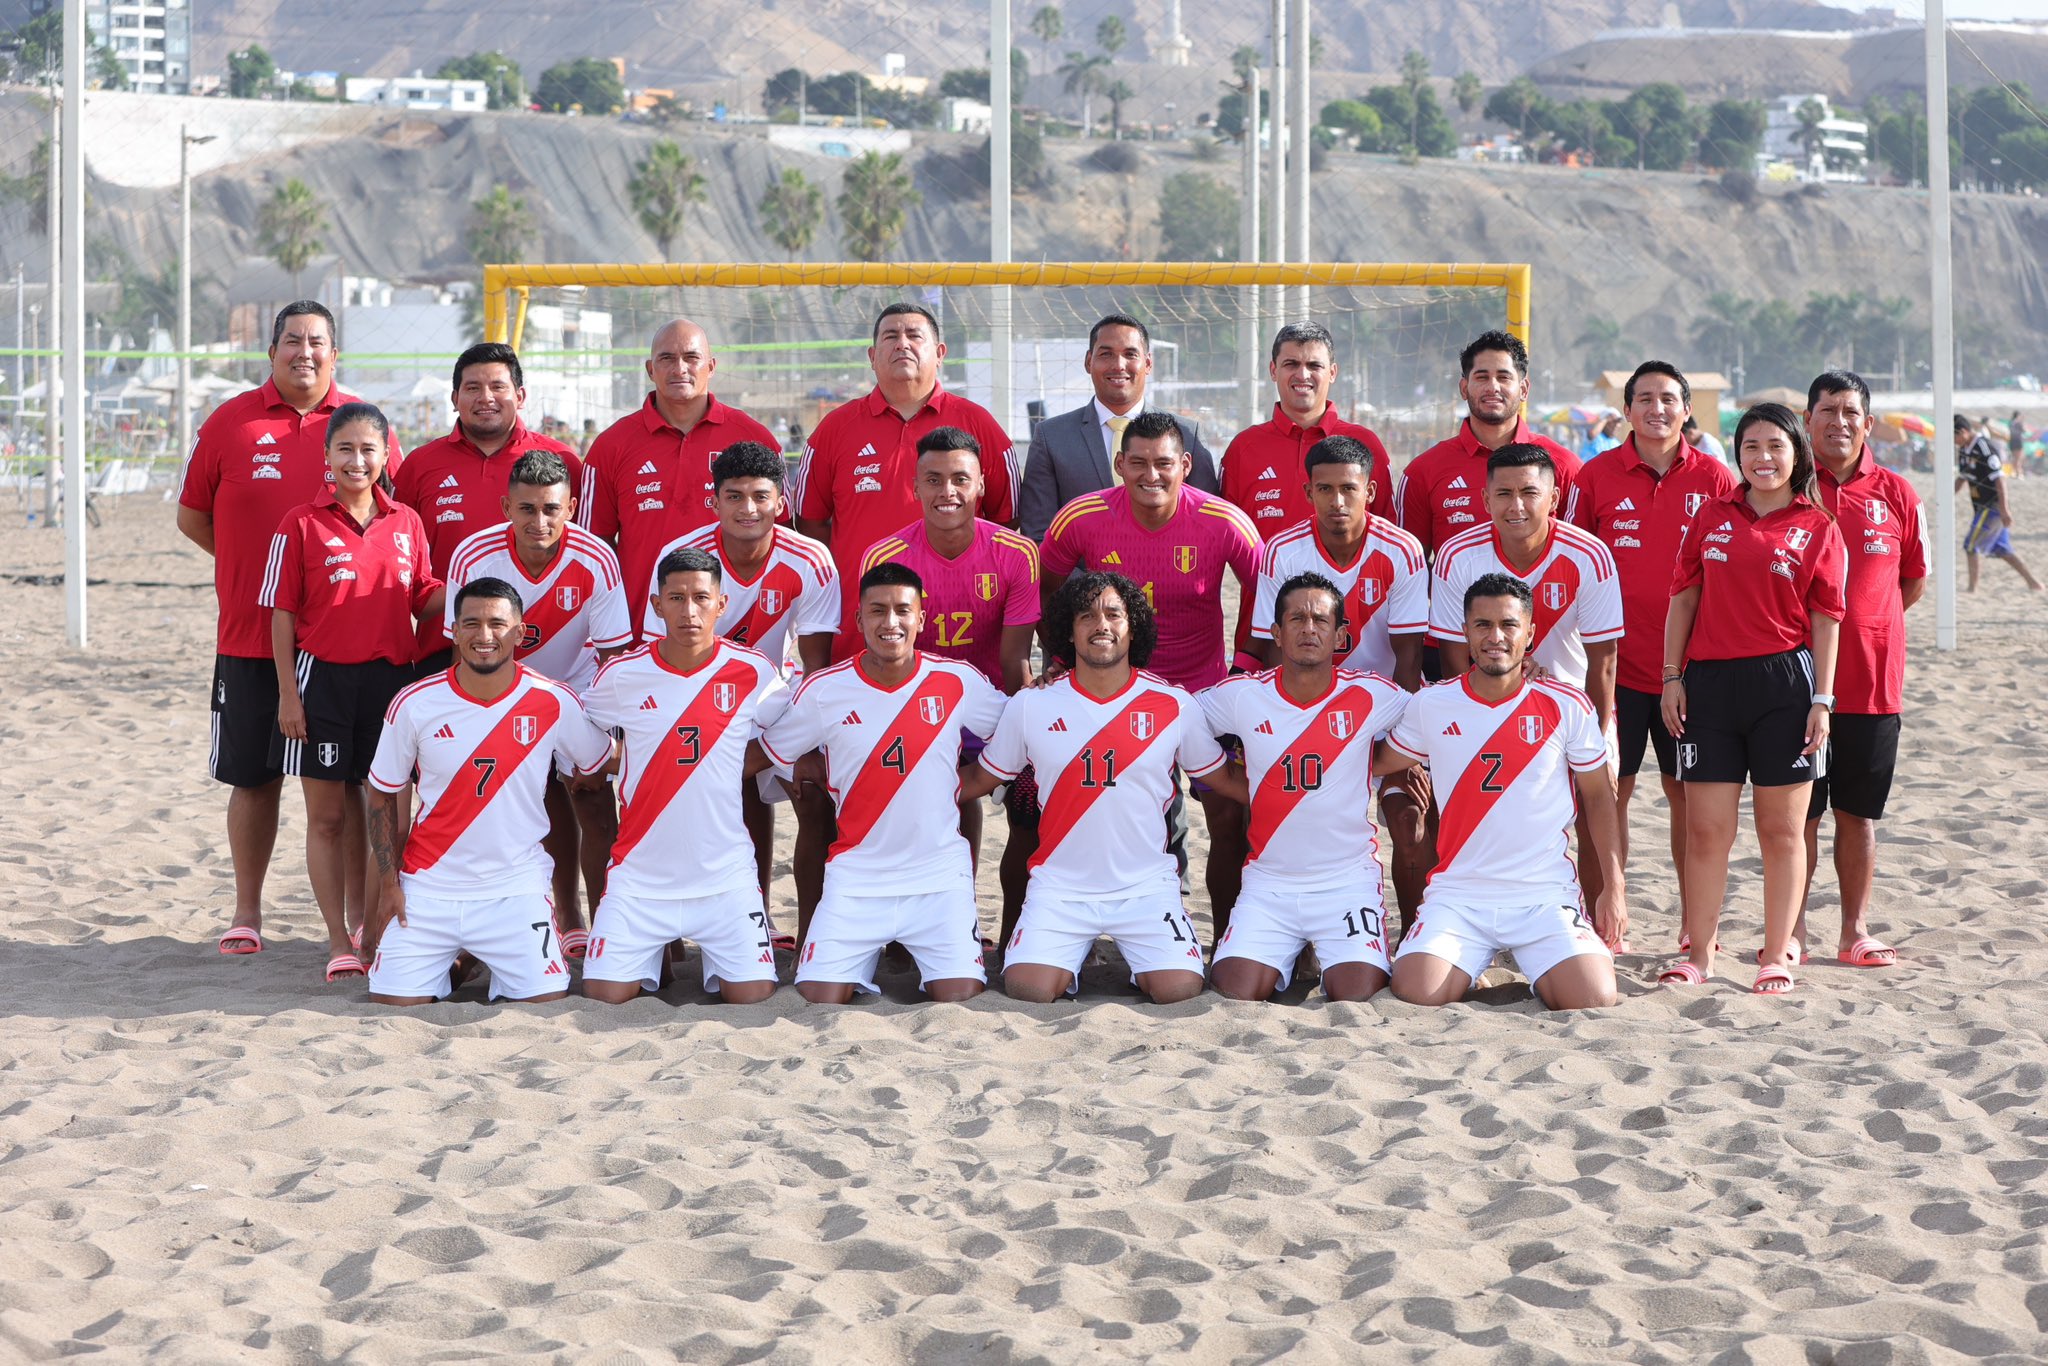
{"points": [[449, 483]]}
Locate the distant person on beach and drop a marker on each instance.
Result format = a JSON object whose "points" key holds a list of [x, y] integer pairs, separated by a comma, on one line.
{"points": [[1700, 438], [1978, 468]]}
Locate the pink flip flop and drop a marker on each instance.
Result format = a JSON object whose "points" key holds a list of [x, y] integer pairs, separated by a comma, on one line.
{"points": [[1869, 953], [1683, 973], [1804, 956], [240, 942], [1775, 979], [575, 943], [344, 965]]}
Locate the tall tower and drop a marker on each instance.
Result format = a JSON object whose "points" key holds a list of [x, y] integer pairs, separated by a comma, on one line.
{"points": [[1174, 51]]}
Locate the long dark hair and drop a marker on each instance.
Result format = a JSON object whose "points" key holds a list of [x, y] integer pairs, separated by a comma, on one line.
{"points": [[1078, 594], [1805, 481]]}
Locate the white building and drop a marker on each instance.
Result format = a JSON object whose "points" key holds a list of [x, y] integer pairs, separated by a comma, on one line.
{"points": [[418, 92], [152, 39], [1841, 151]]}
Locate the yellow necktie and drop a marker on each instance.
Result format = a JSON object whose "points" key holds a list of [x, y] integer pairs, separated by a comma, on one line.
{"points": [[1116, 427]]}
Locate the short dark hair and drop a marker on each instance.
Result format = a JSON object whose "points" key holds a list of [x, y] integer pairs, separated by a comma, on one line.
{"points": [[748, 460], [1338, 450], [1495, 340], [1656, 367], [1963, 424], [489, 588], [688, 560], [1152, 426], [1837, 382], [948, 439], [539, 469], [1498, 585], [356, 411], [1119, 320], [896, 310], [1517, 455], [1691, 424], [303, 308], [1307, 581], [1303, 334], [489, 353], [1079, 593], [890, 574]]}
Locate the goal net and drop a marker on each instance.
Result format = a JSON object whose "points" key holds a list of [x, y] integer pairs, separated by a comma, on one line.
{"points": [[790, 340]]}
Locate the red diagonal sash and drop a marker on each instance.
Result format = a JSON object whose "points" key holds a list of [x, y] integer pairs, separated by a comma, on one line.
{"points": [[689, 740], [915, 727], [757, 623], [1504, 757], [1117, 745], [1275, 800], [1561, 583], [547, 617], [479, 778]]}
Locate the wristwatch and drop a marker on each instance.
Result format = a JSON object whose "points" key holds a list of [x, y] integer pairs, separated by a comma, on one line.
{"points": [[1824, 699]]}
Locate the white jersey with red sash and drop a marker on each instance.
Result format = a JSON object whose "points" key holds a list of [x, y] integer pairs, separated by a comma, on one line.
{"points": [[1577, 592], [1105, 778], [796, 593], [685, 740], [1385, 588], [893, 763], [1310, 770], [574, 608], [1503, 778], [483, 774]]}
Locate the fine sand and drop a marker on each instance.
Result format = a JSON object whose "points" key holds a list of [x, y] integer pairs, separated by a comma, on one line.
{"points": [[208, 1159]]}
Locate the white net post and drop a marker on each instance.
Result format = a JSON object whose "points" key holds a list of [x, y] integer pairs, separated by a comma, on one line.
{"points": [[1248, 240]]}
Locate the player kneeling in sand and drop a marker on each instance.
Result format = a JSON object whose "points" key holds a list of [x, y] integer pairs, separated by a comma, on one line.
{"points": [[470, 874], [689, 707], [890, 722], [1507, 754], [1307, 729], [1105, 738]]}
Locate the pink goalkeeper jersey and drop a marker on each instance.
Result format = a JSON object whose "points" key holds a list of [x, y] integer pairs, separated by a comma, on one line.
{"points": [[1179, 567], [967, 601]]}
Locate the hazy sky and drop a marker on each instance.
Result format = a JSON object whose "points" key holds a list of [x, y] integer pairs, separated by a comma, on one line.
{"points": [[1961, 9]]}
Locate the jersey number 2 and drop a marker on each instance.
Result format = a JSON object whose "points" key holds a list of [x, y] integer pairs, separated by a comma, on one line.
{"points": [[1491, 782]]}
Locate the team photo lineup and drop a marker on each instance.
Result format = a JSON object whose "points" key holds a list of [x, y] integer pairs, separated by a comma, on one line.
{"points": [[544, 706]]}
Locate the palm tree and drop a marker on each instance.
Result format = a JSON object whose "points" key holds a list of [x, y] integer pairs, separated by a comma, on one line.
{"points": [[665, 184], [874, 200], [1602, 338], [1116, 93], [1414, 76], [499, 226], [1728, 331], [289, 227], [1242, 60], [1110, 36], [1084, 75], [1047, 25], [1812, 113], [1467, 91], [791, 211]]}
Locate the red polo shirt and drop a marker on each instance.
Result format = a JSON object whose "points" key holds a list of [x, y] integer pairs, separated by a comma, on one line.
{"points": [[645, 483], [354, 589], [1642, 518], [1884, 527], [860, 474], [256, 458], [1264, 473], [1443, 490], [1760, 578]]}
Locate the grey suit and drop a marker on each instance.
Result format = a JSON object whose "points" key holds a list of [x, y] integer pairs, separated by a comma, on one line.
{"points": [[1068, 458]]}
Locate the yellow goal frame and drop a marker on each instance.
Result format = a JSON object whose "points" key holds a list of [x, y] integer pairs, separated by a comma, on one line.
{"points": [[505, 321]]}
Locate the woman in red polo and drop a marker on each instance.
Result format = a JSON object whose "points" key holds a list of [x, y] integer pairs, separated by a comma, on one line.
{"points": [[1749, 669], [347, 579]]}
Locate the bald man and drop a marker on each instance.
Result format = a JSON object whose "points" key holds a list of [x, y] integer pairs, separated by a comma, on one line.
{"points": [[647, 477]]}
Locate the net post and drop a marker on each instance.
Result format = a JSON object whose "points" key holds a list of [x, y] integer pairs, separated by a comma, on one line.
{"points": [[519, 318], [999, 72], [1250, 251], [495, 329], [1518, 283], [1298, 153], [1942, 300]]}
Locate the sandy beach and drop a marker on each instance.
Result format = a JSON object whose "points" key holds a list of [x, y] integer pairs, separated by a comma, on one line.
{"points": [[212, 1159]]}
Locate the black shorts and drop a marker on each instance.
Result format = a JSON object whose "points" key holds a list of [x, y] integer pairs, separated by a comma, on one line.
{"points": [[345, 706], [244, 705], [1639, 717], [1863, 752], [1746, 719], [439, 662]]}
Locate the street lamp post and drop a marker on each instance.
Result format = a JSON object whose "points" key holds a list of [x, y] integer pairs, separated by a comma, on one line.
{"points": [[184, 423]]}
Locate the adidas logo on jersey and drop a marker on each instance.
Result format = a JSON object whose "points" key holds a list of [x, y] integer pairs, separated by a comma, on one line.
{"points": [[1112, 558], [865, 451], [1264, 728], [1625, 505], [1269, 473], [445, 733], [1060, 724], [648, 468], [1458, 483], [266, 440], [336, 542], [449, 483], [852, 719], [1452, 729], [650, 704]]}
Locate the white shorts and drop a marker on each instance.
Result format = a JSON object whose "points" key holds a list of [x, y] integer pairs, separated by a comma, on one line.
{"points": [[1270, 926], [514, 936], [629, 936], [1151, 929], [1540, 937], [942, 930]]}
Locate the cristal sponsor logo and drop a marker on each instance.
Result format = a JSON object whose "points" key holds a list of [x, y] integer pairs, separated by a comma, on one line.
{"points": [[867, 485], [654, 487], [873, 467], [1632, 524], [1785, 567], [453, 515], [266, 472], [1713, 552], [650, 505], [342, 576], [1627, 543], [1460, 518]]}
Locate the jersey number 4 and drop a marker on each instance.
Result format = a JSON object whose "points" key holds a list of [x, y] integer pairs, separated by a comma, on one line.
{"points": [[892, 757]]}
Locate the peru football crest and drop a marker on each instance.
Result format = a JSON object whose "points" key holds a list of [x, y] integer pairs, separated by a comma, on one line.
{"points": [[1141, 724], [1555, 597], [985, 586], [1184, 558], [724, 696], [932, 709], [1369, 591], [329, 754], [772, 601], [567, 596], [1694, 502], [1877, 511], [1531, 729], [1798, 537], [1340, 724], [525, 729]]}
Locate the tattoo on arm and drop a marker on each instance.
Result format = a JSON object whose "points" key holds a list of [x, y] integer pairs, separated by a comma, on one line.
{"points": [[383, 831]]}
